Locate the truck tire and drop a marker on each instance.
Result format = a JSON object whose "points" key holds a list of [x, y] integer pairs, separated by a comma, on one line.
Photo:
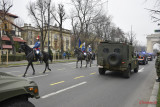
{"points": [[114, 59], [136, 69], [16, 103], [102, 71], [127, 73], [144, 62]]}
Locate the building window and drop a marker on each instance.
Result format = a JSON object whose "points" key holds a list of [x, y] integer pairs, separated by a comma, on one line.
{"points": [[67, 43]]}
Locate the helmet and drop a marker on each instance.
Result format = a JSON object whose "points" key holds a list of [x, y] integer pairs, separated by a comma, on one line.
{"points": [[37, 37]]}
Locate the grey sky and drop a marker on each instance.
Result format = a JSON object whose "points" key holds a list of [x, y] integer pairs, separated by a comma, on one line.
{"points": [[125, 13]]}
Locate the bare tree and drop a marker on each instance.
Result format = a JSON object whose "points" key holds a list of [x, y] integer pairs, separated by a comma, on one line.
{"points": [[131, 36], [40, 13], [5, 6], [19, 22], [60, 17], [84, 13]]}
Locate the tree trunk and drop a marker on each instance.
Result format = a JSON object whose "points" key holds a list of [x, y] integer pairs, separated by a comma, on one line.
{"points": [[61, 36], [12, 43]]}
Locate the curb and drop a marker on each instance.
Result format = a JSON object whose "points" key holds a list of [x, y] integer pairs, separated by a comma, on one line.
{"points": [[25, 64], [153, 96]]}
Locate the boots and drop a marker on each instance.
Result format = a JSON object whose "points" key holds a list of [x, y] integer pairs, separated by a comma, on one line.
{"points": [[158, 80]]}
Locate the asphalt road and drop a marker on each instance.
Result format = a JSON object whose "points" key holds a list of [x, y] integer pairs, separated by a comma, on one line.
{"points": [[67, 86]]}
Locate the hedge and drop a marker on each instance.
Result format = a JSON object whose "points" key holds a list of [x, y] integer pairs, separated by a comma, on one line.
{"points": [[14, 57]]}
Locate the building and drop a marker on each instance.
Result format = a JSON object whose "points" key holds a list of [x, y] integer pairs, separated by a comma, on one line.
{"points": [[14, 30], [30, 33]]}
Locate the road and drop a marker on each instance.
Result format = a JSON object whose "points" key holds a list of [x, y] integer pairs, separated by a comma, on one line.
{"points": [[67, 86]]}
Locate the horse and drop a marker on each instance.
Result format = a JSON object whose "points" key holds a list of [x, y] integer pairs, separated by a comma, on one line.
{"points": [[30, 56], [80, 56]]}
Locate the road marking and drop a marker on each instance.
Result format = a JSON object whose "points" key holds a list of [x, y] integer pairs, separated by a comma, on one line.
{"points": [[141, 70], [57, 83], [78, 77], [57, 92], [21, 75], [61, 69], [38, 76], [92, 73]]}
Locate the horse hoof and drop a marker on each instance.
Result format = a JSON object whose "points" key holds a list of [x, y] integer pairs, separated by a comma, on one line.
{"points": [[23, 75], [44, 72], [49, 69], [33, 74]]}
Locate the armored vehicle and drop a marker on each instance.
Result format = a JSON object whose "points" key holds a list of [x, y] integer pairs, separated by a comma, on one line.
{"points": [[116, 56], [15, 91]]}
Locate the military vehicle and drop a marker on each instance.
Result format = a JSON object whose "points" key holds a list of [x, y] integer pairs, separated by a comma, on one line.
{"points": [[15, 91], [143, 58], [116, 56]]}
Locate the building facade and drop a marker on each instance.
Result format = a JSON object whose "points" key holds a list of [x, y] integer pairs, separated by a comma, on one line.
{"points": [[13, 29], [30, 33]]}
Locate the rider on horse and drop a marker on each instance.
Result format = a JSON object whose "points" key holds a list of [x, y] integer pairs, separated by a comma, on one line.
{"points": [[37, 48]]}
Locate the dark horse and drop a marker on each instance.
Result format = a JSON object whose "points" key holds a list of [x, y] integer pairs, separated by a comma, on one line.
{"points": [[30, 56], [80, 56]]}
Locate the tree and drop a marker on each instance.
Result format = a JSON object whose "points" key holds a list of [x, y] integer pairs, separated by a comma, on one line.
{"points": [[60, 17], [40, 13], [5, 6], [84, 12], [131, 36], [19, 22]]}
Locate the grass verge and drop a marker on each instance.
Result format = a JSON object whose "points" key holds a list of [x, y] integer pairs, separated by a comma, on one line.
{"points": [[37, 63], [158, 97]]}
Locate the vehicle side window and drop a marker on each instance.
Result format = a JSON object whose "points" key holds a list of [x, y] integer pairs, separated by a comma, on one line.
{"points": [[117, 50], [106, 50]]}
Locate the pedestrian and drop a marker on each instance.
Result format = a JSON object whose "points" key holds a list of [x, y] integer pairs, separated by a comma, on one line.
{"points": [[64, 55], [157, 66]]}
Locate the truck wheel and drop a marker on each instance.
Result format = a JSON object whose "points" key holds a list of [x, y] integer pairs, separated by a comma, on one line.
{"points": [[102, 71], [15, 103], [127, 73], [144, 62], [114, 59], [136, 69]]}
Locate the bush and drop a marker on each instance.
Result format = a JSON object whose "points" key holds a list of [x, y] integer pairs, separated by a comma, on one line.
{"points": [[11, 57]]}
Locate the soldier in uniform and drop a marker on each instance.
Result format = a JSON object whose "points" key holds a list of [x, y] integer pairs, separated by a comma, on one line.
{"points": [[157, 65]]}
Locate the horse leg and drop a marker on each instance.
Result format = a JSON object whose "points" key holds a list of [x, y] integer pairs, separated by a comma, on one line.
{"points": [[86, 63], [77, 64], [90, 62], [29, 63], [33, 68], [81, 63], [45, 67], [48, 66]]}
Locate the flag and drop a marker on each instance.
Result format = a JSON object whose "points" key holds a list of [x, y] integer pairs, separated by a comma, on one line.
{"points": [[79, 43], [82, 45]]}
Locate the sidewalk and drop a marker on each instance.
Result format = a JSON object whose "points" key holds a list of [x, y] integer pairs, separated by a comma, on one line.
{"points": [[25, 62]]}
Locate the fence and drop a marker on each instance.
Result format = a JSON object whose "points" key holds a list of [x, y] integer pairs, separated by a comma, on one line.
{"points": [[1, 52]]}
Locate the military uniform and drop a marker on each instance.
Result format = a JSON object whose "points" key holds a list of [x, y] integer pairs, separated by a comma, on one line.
{"points": [[157, 66]]}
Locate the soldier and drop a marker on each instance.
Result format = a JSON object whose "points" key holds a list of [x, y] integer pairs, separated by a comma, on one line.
{"points": [[157, 65]]}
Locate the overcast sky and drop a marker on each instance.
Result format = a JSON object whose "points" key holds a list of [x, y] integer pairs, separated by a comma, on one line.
{"points": [[125, 13]]}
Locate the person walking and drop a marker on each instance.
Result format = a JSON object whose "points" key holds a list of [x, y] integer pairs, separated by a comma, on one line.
{"points": [[157, 66]]}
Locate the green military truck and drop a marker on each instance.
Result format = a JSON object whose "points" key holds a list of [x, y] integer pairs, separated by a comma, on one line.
{"points": [[15, 91], [114, 56]]}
